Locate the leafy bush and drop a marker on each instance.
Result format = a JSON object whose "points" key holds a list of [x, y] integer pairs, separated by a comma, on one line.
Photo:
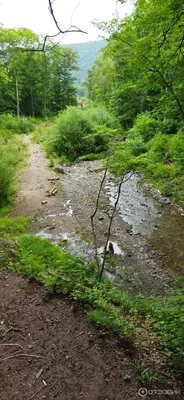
{"points": [[71, 127], [78, 133], [145, 126], [100, 116], [9, 122], [165, 317], [21, 125], [176, 149], [10, 156], [6, 176]]}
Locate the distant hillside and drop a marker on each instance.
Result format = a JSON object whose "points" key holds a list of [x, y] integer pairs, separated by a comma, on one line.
{"points": [[87, 54]]}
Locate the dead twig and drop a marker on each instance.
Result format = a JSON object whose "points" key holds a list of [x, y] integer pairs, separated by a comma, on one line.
{"points": [[12, 329], [94, 213], [38, 391], [80, 334], [22, 355], [72, 28], [111, 217], [87, 348], [12, 344]]}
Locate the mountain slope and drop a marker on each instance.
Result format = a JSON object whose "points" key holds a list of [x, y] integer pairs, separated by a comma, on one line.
{"points": [[87, 54]]}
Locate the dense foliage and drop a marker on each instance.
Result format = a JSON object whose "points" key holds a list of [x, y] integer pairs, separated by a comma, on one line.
{"points": [[77, 133], [32, 82], [11, 152], [139, 77]]}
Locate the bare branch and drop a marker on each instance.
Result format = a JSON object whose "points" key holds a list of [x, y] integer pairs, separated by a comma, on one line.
{"points": [[94, 213], [110, 223], [70, 29], [64, 31]]}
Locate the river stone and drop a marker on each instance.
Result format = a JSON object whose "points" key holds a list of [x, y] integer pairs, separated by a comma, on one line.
{"points": [[59, 169]]}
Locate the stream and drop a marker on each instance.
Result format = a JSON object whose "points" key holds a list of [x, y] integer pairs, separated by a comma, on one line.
{"points": [[152, 216]]}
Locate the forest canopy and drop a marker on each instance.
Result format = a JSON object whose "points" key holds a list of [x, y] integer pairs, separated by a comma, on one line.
{"points": [[32, 82], [139, 78]]}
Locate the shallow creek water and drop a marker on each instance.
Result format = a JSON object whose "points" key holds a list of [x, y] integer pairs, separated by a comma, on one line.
{"points": [[152, 217]]}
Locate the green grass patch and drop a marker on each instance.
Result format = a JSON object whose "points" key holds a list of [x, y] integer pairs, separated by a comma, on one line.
{"points": [[14, 226]]}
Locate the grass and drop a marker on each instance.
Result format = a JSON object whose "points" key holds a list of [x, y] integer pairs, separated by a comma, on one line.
{"points": [[11, 227]]}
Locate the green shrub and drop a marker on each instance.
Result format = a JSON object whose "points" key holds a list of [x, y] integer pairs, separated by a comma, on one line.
{"points": [[10, 156], [166, 320], [158, 148], [145, 126], [100, 116], [79, 132], [15, 125], [6, 176], [9, 122], [176, 149]]}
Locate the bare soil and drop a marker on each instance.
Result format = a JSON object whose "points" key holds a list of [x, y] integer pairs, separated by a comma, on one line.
{"points": [[54, 340], [48, 350]]}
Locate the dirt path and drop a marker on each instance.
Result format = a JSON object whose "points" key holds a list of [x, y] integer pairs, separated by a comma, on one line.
{"points": [[70, 360], [78, 362]]}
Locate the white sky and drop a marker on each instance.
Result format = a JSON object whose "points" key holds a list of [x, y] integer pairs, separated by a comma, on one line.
{"points": [[34, 15]]}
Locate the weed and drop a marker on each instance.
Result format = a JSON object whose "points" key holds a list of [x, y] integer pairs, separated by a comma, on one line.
{"points": [[11, 227], [147, 375]]}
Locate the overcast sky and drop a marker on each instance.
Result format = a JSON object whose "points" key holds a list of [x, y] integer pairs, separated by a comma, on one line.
{"points": [[34, 14]]}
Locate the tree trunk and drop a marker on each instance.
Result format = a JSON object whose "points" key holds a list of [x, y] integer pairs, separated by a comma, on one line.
{"points": [[17, 96], [32, 103]]}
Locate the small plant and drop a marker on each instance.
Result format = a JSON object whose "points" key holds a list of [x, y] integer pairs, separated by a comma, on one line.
{"points": [[11, 227], [147, 375]]}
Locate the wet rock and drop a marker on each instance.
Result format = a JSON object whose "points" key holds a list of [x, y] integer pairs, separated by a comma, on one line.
{"points": [[59, 169], [55, 178]]}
